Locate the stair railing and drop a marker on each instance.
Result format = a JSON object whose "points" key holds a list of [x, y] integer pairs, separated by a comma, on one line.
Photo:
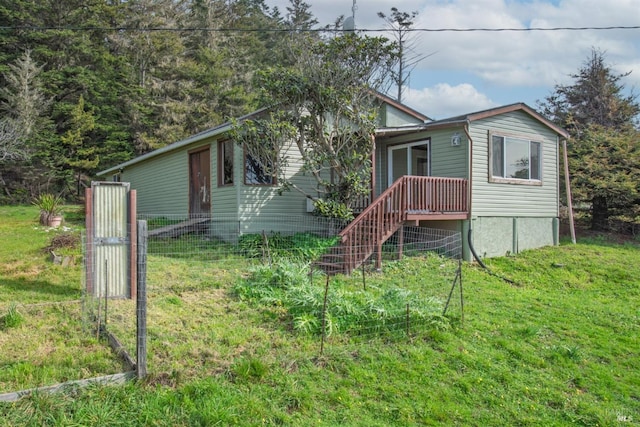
{"points": [[388, 212], [376, 223]]}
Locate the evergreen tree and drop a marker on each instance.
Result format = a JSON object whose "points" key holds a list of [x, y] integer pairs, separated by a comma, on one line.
{"points": [[22, 99], [141, 69], [22, 127], [596, 97], [12, 147], [603, 148], [299, 16], [77, 154], [605, 168]]}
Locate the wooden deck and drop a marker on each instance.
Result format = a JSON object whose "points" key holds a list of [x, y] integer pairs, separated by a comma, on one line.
{"points": [[416, 215], [409, 199]]}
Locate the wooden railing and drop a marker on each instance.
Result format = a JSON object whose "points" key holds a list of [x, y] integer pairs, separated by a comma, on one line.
{"points": [[418, 197], [435, 195]]}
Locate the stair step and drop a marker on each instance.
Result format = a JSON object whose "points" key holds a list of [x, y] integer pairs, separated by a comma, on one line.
{"points": [[330, 268]]}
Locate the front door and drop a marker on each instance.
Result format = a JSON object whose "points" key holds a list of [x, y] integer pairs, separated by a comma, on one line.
{"points": [[408, 159], [199, 183]]}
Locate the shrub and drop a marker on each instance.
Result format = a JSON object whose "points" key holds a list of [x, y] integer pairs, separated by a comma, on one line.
{"points": [[286, 286], [12, 319], [49, 206], [303, 246]]}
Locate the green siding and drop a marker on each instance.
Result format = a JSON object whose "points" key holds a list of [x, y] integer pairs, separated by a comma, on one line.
{"points": [[446, 160], [393, 117], [163, 188], [157, 178], [264, 201], [507, 218], [500, 199], [224, 200]]}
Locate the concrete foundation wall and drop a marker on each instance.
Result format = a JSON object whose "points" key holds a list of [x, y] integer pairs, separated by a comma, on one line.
{"points": [[500, 236]]}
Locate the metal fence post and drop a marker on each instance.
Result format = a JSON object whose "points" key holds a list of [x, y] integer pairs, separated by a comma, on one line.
{"points": [[141, 301], [324, 316]]}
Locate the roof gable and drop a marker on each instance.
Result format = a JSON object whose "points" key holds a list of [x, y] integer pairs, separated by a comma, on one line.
{"points": [[393, 107], [492, 112]]}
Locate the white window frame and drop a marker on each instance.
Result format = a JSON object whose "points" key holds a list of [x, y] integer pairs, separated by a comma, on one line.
{"points": [[506, 138], [408, 146]]}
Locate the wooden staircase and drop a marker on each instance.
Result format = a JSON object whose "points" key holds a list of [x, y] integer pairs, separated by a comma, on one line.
{"points": [[410, 198]]}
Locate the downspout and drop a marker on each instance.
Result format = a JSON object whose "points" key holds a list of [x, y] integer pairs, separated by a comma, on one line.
{"points": [[373, 168], [469, 187], [568, 189], [470, 181], [470, 231]]}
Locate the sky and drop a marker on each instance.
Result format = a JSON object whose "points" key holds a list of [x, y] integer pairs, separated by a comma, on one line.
{"points": [[463, 72]]}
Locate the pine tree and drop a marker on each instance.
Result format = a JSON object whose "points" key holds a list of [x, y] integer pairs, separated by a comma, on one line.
{"points": [[23, 124], [78, 154], [22, 98], [596, 97], [603, 148]]}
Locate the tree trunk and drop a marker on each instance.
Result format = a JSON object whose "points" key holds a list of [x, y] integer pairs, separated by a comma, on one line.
{"points": [[4, 185], [599, 213]]}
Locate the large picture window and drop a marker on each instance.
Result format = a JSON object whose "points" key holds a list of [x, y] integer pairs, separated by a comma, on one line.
{"points": [[515, 159]]}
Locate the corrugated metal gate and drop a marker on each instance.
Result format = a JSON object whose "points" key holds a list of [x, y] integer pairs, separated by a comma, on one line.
{"points": [[111, 240]]}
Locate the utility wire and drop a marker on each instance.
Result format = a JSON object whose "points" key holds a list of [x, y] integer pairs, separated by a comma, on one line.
{"points": [[320, 30]]}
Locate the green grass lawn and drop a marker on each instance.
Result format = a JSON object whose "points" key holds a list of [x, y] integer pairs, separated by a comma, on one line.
{"points": [[560, 347], [43, 339]]}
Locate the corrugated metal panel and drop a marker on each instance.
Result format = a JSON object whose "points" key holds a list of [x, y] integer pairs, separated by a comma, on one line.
{"points": [[111, 239], [111, 270]]}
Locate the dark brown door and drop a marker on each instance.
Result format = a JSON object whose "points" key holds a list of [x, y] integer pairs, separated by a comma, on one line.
{"points": [[200, 183]]}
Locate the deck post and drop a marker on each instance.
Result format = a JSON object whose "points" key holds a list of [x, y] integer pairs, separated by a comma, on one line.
{"points": [[380, 224], [400, 241]]}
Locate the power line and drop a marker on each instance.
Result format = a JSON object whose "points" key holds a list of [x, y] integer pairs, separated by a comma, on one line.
{"points": [[320, 30], [620, 27]]}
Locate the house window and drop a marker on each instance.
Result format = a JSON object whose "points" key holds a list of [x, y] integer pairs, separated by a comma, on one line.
{"points": [[515, 160], [256, 172], [225, 163]]}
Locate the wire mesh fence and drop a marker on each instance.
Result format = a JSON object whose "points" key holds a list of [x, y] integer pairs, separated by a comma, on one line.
{"points": [[218, 289]]}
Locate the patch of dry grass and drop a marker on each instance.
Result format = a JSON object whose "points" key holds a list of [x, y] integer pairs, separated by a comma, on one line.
{"points": [[51, 345]]}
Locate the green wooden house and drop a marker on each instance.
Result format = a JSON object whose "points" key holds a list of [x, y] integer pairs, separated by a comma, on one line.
{"points": [[507, 159], [494, 172]]}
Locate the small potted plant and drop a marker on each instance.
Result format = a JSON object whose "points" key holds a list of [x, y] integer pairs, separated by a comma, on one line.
{"points": [[50, 213]]}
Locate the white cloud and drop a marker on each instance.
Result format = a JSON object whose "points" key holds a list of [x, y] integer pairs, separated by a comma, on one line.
{"points": [[500, 62], [526, 58], [443, 100]]}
